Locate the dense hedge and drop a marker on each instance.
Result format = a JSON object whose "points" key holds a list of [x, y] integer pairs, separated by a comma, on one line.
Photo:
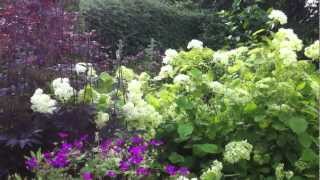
{"points": [[137, 21]]}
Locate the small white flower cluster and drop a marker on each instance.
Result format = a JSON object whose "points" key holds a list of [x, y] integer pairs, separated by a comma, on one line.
{"points": [[139, 114], [221, 57], [195, 44], [311, 3], [181, 79], [216, 87], [313, 51], [281, 174], [42, 103], [278, 16], [236, 151], [125, 73], [101, 119], [185, 178], [165, 72], [288, 43], [286, 38], [62, 89], [170, 54], [214, 172], [87, 69]]}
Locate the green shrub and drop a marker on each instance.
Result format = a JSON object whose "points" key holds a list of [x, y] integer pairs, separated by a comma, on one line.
{"points": [[137, 21]]}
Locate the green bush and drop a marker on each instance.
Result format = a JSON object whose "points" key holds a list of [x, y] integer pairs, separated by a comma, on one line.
{"points": [[137, 21]]}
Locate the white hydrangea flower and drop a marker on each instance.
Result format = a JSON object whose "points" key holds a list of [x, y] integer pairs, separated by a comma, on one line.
{"points": [[170, 54], [286, 38], [138, 113], [236, 151], [216, 87], [42, 103], [185, 178], [126, 73], [214, 172], [165, 72], [194, 43], [281, 174], [221, 57], [101, 119], [288, 56], [59, 82], [181, 79], [87, 68], [313, 51], [62, 89], [311, 3], [278, 16]]}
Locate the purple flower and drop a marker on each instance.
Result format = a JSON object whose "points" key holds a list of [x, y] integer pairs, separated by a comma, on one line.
{"points": [[105, 146], [137, 150], [124, 165], [183, 171], [111, 174], [65, 148], [59, 161], [156, 143], [136, 159], [31, 163], [87, 176], [171, 170], [120, 142], [136, 140], [141, 171], [78, 144]]}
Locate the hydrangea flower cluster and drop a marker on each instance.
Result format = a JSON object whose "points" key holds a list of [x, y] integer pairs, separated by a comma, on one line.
{"points": [[62, 89], [236, 151], [165, 72], [214, 172], [42, 103], [195, 44], [281, 174], [182, 79], [86, 69], [138, 113], [286, 38], [313, 51], [170, 54], [278, 16]]}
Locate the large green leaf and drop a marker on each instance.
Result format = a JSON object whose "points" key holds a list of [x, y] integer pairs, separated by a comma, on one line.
{"points": [[185, 130], [203, 149], [298, 124], [105, 83], [176, 158]]}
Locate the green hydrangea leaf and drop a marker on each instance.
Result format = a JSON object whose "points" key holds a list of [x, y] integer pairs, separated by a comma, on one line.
{"points": [[185, 130], [298, 124]]}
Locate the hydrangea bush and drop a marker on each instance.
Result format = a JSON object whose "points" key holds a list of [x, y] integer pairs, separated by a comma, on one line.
{"points": [[244, 113]]}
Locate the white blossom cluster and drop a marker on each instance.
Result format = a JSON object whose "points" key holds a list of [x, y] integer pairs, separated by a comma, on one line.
{"points": [[313, 51], [236, 151], [101, 119], [181, 79], [185, 178], [62, 89], [288, 44], [214, 172], [87, 69], [125, 73], [311, 3], [165, 72], [278, 16], [42, 103], [170, 54], [281, 174], [195, 44], [138, 113]]}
